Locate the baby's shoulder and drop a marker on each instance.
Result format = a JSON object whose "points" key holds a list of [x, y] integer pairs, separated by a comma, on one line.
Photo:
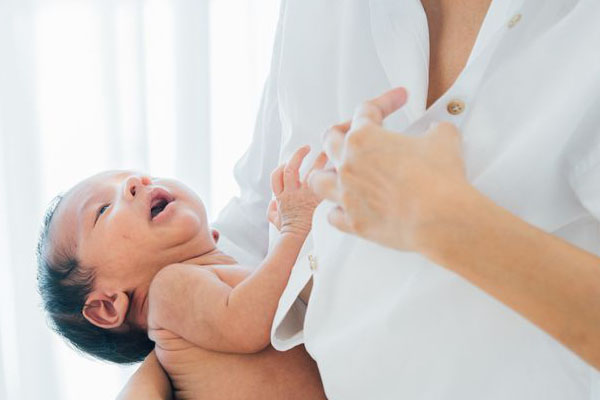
{"points": [[170, 280], [172, 286], [231, 274]]}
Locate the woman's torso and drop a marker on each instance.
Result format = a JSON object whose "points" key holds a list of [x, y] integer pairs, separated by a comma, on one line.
{"points": [[391, 321]]}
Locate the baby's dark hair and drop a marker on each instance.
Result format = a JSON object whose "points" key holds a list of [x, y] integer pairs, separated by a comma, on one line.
{"points": [[64, 286]]}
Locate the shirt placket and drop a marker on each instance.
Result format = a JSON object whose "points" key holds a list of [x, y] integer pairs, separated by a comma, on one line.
{"points": [[453, 105]]}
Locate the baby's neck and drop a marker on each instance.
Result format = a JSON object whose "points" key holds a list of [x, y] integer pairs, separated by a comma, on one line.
{"points": [[213, 257]]}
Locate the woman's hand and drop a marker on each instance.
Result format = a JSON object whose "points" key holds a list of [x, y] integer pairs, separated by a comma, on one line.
{"points": [[292, 209], [390, 188], [410, 193]]}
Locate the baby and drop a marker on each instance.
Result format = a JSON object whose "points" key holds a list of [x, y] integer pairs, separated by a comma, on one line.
{"points": [[127, 261]]}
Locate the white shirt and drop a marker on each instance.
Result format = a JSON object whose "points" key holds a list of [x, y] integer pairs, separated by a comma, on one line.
{"points": [[385, 324]]}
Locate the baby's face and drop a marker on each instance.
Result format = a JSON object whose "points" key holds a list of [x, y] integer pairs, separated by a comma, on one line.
{"points": [[126, 226]]}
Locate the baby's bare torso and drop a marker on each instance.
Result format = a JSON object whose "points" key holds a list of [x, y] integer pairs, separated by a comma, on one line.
{"points": [[196, 373]]}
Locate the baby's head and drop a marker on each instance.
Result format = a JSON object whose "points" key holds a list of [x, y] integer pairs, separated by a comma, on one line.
{"points": [[101, 245]]}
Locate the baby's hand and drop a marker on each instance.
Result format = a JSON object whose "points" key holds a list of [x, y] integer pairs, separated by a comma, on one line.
{"points": [[292, 209]]}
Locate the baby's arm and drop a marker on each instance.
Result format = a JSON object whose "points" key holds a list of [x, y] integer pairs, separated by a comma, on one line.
{"points": [[198, 305]]}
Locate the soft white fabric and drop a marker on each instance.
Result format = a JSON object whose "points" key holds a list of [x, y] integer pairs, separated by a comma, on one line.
{"points": [[384, 324]]}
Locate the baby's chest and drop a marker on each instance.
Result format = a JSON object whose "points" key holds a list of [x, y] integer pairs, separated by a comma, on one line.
{"points": [[185, 365], [196, 373]]}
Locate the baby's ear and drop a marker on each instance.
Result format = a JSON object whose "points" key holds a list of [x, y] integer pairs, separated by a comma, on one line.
{"points": [[215, 234], [106, 310]]}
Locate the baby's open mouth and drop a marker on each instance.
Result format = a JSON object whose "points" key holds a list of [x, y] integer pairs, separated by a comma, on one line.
{"points": [[159, 199]]}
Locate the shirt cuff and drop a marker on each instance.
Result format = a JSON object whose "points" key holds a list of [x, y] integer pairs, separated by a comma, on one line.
{"points": [[288, 325], [585, 182]]}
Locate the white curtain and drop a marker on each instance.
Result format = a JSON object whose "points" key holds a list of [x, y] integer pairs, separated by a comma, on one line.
{"points": [[168, 87]]}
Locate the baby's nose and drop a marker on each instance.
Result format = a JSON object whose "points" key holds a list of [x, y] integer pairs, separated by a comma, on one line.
{"points": [[134, 183], [132, 186]]}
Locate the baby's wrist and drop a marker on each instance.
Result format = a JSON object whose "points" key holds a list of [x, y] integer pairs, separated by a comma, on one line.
{"points": [[300, 229]]}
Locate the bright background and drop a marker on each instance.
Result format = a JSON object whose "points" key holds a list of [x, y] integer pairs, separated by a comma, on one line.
{"points": [[166, 86]]}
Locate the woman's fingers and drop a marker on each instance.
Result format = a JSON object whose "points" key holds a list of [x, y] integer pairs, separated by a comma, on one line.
{"points": [[334, 141], [370, 112], [343, 127], [376, 110], [324, 184], [337, 217]]}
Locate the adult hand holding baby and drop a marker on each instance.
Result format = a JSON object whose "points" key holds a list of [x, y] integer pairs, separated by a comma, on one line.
{"points": [[390, 188]]}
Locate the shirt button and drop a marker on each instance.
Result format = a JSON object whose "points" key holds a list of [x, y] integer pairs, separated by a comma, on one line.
{"points": [[312, 261], [456, 107], [514, 20]]}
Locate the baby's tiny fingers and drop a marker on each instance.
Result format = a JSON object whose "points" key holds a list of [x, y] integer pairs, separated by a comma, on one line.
{"points": [[296, 159], [318, 165], [291, 178], [277, 180], [273, 214], [320, 161]]}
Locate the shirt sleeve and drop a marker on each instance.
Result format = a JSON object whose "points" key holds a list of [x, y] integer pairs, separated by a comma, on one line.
{"points": [[243, 222]]}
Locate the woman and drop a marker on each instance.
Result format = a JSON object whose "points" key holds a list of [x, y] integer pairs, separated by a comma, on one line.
{"points": [[519, 83]]}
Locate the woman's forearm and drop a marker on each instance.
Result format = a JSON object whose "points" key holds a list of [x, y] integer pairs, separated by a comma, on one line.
{"points": [[411, 193], [549, 281], [149, 382]]}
